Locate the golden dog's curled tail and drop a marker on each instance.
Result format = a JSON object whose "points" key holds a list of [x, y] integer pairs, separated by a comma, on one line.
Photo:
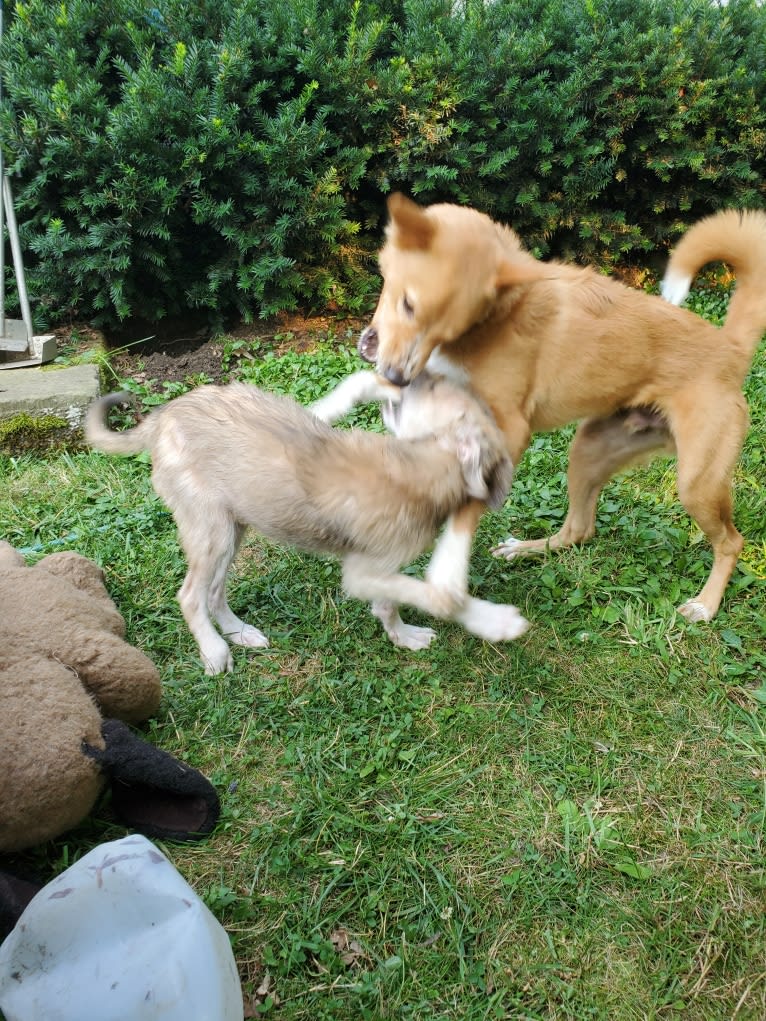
{"points": [[129, 441], [737, 237]]}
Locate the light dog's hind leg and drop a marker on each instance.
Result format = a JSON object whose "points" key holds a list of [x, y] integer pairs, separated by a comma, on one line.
{"points": [[233, 629], [209, 551]]}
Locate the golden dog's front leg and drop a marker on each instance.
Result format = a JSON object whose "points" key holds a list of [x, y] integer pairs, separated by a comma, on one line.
{"points": [[448, 572]]}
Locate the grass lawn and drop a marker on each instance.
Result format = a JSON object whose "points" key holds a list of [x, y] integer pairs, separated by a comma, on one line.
{"points": [[568, 826]]}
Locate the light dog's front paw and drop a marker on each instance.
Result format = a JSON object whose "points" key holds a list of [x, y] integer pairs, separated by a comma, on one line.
{"points": [[494, 622], [218, 661], [404, 636], [694, 610]]}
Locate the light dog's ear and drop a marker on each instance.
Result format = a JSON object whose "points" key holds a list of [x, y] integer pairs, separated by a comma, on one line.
{"points": [[486, 467], [499, 482], [488, 473], [409, 228], [467, 444]]}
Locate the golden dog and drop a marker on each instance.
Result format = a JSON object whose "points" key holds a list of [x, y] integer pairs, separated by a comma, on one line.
{"points": [[546, 344]]}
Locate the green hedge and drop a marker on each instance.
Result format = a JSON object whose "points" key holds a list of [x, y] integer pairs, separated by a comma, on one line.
{"points": [[234, 155]]}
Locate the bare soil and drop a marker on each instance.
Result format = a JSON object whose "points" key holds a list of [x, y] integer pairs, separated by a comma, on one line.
{"points": [[180, 351]]}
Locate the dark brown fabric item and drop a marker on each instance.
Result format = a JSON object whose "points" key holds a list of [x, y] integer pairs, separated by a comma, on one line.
{"points": [[153, 792]]}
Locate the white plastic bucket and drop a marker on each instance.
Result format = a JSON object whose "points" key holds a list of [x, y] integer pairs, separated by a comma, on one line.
{"points": [[119, 936]]}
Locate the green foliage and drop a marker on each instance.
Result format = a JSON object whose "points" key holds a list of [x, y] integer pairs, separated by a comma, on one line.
{"points": [[177, 157], [234, 156], [595, 128]]}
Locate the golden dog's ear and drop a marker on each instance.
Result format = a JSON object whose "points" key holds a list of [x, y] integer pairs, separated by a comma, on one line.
{"points": [[409, 227], [511, 274]]}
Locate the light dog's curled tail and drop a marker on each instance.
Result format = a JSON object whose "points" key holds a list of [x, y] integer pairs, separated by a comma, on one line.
{"points": [[128, 441], [737, 237]]}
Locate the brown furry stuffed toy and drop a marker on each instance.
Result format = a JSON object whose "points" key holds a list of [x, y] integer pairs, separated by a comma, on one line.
{"points": [[68, 680]]}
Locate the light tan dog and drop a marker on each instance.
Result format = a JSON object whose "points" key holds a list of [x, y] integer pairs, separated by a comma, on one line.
{"points": [[228, 457], [546, 344]]}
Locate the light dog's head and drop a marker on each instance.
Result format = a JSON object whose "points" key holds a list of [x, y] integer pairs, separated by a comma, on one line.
{"points": [[435, 406], [443, 269]]}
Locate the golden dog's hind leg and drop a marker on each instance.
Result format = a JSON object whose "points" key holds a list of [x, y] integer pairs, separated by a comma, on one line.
{"points": [[450, 560], [600, 449], [708, 448]]}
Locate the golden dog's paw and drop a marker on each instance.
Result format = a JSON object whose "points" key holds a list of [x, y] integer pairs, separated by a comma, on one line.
{"points": [[500, 622], [695, 611], [508, 548], [494, 622]]}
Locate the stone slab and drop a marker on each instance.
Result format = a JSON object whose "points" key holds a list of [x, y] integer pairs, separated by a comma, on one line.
{"points": [[65, 392]]}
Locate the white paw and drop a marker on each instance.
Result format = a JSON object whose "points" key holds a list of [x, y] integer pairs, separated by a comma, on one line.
{"points": [[694, 610], [507, 549], [494, 622], [249, 636], [408, 636], [674, 288], [503, 623], [217, 660]]}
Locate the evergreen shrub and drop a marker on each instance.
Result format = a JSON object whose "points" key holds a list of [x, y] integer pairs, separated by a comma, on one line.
{"points": [[234, 155]]}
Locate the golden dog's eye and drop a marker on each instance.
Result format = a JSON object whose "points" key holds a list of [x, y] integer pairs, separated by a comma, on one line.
{"points": [[407, 307]]}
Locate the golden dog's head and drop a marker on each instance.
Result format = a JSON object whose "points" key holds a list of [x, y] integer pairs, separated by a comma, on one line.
{"points": [[444, 268]]}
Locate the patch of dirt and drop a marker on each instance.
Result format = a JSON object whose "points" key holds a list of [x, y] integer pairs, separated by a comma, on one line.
{"points": [[181, 351], [168, 359]]}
